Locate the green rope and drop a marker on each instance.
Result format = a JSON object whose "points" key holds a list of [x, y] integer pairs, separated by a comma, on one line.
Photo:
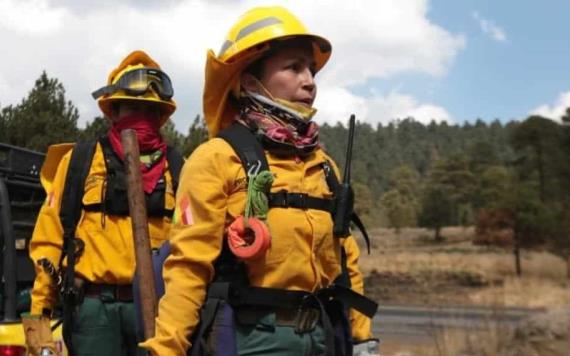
{"points": [[257, 188]]}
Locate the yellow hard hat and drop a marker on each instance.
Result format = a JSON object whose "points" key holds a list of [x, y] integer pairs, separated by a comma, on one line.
{"points": [[135, 61], [246, 42]]}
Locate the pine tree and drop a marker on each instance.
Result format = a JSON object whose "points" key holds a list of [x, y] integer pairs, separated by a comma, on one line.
{"points": [[43, 118]]}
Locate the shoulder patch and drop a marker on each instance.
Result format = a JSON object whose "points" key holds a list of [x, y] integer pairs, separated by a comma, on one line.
{"points": [[183, 212]]}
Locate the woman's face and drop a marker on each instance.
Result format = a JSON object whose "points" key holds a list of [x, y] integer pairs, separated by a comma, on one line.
{"points": [[288, 74]]}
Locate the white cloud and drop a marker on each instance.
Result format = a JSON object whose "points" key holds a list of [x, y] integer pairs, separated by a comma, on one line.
{"points": [[556, 110], [380, 38], [31, 17], [80, 44], [338, 103], [490, 28]]}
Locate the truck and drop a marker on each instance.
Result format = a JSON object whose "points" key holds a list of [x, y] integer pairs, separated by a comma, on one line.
{"points": [[21, 197]]}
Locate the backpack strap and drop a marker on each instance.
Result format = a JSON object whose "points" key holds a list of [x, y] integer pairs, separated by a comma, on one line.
{"points": [[175, 163], [246, 146], [69, 215], [71, 202]]}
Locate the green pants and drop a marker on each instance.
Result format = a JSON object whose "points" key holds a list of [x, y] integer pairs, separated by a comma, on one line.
{"points": [[267, 338], [103, 326]]}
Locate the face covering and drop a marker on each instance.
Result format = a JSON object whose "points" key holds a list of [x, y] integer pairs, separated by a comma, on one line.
{"points": [[151, 145], [284, 130]]}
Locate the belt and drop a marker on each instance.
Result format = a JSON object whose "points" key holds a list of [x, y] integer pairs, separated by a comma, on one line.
{"points": [[303, 320], [121, 293]]}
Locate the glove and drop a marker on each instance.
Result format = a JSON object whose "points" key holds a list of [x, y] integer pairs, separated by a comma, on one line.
{"points": [[37, 331], [368, 347]]}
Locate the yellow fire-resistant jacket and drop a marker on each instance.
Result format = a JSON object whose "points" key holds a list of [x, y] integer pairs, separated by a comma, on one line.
{"points": [[108, 257], [303, 254]]}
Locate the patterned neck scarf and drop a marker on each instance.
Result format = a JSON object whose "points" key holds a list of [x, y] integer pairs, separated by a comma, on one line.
{"points": [[285, 129]]}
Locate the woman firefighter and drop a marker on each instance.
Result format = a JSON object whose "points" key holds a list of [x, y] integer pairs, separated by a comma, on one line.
{"points": [[254, 262], [82, 244]]}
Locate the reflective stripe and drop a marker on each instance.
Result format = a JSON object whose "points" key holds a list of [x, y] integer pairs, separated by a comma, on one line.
{"points": [[225, 47], [268, 21]]}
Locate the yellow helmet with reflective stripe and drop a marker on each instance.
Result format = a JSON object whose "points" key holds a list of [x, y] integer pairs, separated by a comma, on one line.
{"points": [[246, 42], [134, 61]]}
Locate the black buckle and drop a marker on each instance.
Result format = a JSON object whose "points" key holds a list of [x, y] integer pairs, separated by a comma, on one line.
{"points": [[284, 199], [297, 200], [280, 199], [306, 319]]}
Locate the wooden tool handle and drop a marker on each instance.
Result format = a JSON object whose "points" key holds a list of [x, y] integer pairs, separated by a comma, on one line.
{"points": [[137, 211]]}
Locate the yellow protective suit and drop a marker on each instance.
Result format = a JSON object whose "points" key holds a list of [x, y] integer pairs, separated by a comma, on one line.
{"points": [[108, 257], [303, 254]]}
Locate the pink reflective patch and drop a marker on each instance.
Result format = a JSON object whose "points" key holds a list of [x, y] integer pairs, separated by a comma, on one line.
{"points": [[186, 211]]}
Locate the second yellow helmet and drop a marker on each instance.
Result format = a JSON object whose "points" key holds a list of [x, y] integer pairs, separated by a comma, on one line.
{"points": [[141, 70]]}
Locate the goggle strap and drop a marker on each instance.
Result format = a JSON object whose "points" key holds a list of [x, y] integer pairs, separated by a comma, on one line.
{"points": [[109, 89]]}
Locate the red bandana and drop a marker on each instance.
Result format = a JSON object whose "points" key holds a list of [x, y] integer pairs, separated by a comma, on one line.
{"points": [[149, 140]]}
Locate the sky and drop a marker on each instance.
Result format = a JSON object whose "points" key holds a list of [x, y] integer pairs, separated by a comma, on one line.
{"points": [[452, 60]]}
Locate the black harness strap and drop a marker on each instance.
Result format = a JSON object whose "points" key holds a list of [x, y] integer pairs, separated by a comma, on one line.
{"points": [[70, 213], [284, 199], [246, 146], [175, 163], [266, 297], [79, 165], [344, 278], [349, 298], [292, 299]]}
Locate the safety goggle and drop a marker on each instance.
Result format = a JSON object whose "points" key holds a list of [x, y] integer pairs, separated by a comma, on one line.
{"points": [[137, 82]]}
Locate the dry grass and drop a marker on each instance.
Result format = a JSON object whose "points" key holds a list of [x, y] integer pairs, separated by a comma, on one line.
{"points": [[487, 341], [526, 292], [412, 253]]}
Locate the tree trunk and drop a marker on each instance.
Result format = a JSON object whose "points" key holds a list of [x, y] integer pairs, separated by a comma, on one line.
{"points": [[517, 252], [541, 178], [438, 237]]}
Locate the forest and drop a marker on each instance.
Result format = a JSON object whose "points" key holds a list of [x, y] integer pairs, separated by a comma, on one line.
{"points": [[498, 176]]}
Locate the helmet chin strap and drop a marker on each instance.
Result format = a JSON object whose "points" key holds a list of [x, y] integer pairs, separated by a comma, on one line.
{"points": [[300, 111]]}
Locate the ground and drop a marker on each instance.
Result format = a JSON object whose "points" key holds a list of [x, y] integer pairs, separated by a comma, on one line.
{"points": [[407, 267]]}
